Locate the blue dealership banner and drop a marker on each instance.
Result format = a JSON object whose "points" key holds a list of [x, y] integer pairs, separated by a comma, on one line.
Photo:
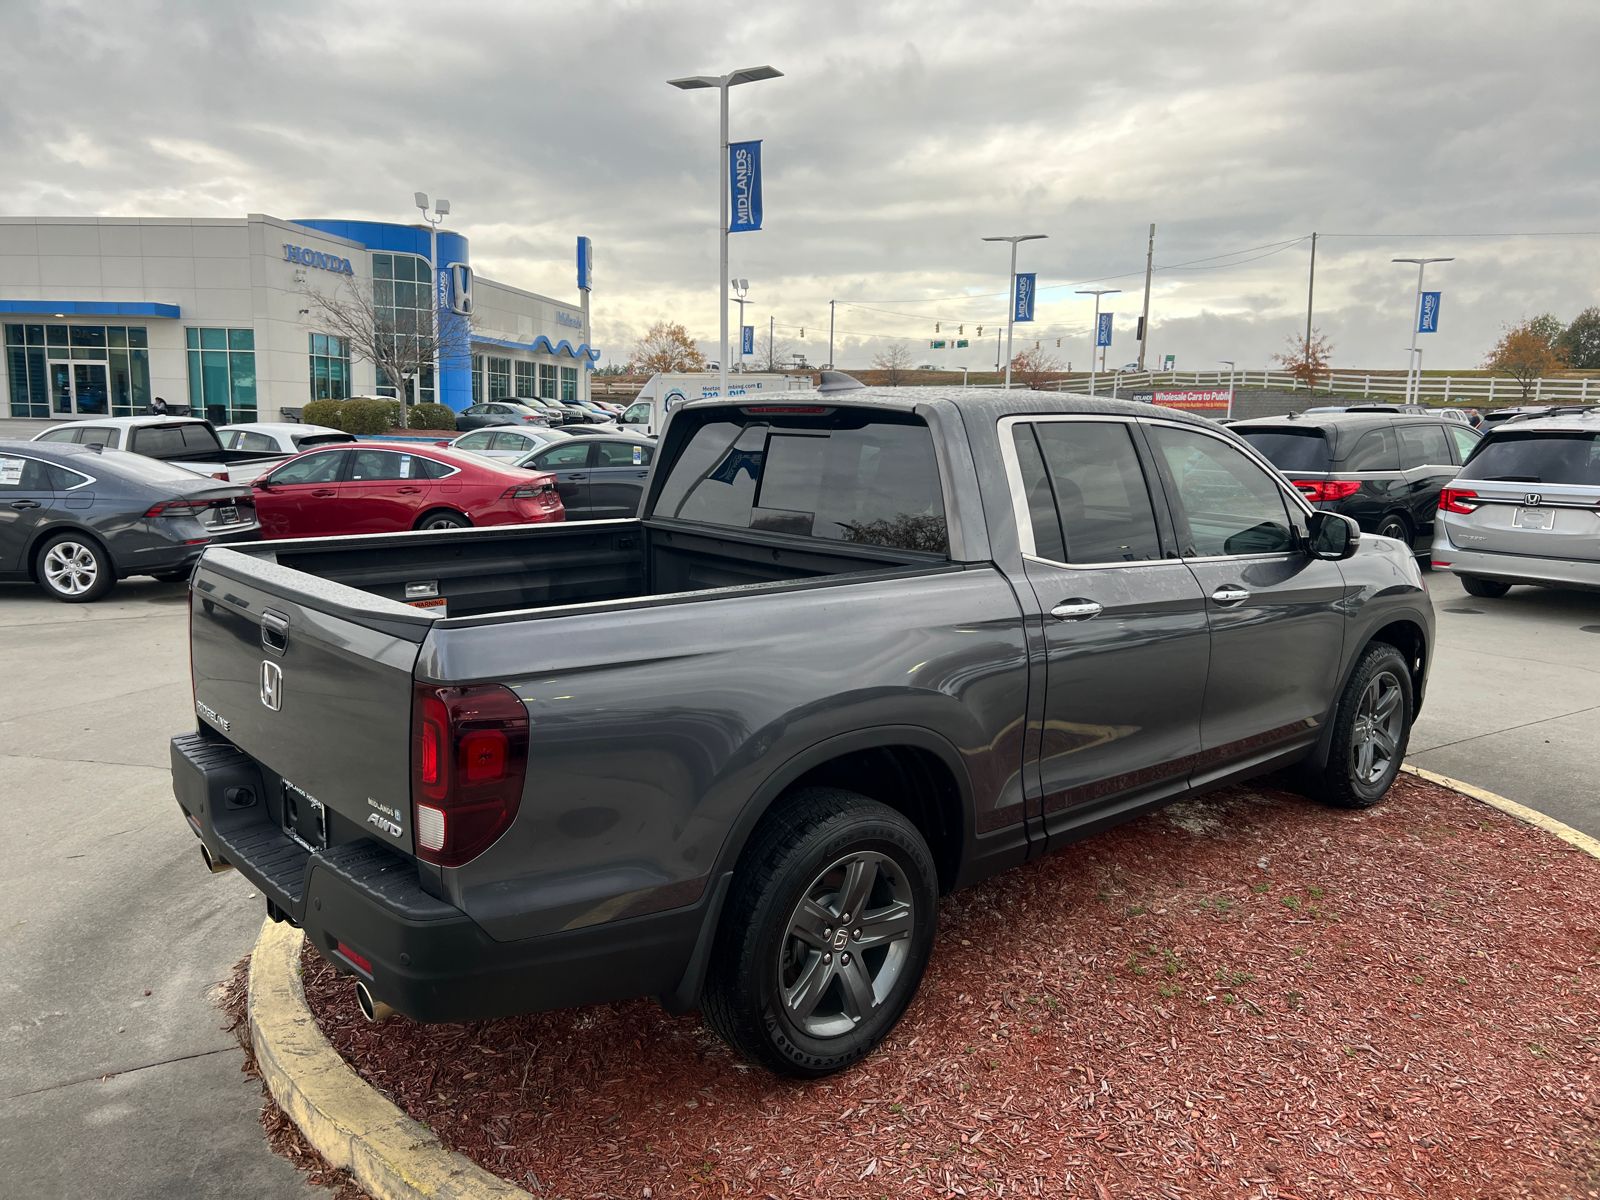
{"points": [[1104, 338], [744, 180], [748, 344], [1428, 321], [585, 264], [1026, 286]]}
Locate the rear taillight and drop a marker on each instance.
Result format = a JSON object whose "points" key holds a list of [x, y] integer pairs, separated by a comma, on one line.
{"points": [[175, 508], [469, 758], [1317, 490], [1458, 500], [529, 491]]}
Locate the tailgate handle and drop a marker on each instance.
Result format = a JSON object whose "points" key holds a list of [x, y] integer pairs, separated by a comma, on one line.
{"points": [[274, 631]]}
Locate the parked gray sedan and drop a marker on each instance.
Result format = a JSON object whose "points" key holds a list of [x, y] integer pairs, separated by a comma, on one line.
{"points": [[1525, 508], [599, 477], [75, 519]]}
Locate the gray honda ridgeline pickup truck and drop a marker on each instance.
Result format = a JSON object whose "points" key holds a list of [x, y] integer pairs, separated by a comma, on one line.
{"points": [[855, 652]]}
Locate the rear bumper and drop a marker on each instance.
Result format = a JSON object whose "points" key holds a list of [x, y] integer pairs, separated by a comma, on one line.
{"points": [[1514, 568], [428, 959]]}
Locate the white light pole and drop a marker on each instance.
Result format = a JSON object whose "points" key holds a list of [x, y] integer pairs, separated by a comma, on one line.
{"points": [[1094, 342], [722, 83], [1416, 319], [740, 288], [441, 210], [1011, 290], [1228, 362]]}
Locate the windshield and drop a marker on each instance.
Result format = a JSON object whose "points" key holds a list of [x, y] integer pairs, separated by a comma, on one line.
{"points": [[1537, 457], [877, 483], [1291, 449]]}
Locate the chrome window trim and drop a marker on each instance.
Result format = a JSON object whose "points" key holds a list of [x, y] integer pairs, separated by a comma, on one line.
{"points": [[453, 469], [87, 479], [1019, 499]]}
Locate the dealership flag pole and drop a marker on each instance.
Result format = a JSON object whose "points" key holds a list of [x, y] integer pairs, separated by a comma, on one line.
{"points": [[1416, 323], [1149, 268], [1011, 291]]}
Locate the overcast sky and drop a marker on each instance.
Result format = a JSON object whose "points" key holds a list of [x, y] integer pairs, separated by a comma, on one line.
{"points": [[901, 134]]}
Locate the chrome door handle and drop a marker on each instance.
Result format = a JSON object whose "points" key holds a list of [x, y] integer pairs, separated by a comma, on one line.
{"points": [[1076, 609], [1230, 594]]}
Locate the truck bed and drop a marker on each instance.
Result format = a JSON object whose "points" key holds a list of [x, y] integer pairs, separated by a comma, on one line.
{"points": [[498, 572]]}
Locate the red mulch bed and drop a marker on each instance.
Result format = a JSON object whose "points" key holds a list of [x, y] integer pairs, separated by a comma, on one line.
{"points": [[1247, 995]]}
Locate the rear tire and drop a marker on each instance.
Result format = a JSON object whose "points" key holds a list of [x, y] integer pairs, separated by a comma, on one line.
{"points": [[1394, 526], [1370, 733], [74, 568], [1491, 589], [797, 982], [442, 518]]}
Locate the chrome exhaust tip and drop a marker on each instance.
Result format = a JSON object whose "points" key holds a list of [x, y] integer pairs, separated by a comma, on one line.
{"points": [[215, 865], [372, 1009]]}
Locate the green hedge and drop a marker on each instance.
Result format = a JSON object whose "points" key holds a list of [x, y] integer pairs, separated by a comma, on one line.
{"points": [[431, 416], [364, 415], [323, 412]]}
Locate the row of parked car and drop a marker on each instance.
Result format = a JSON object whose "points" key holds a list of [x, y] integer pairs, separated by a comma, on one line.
{"points": [[1515, 502], [84, 504]]}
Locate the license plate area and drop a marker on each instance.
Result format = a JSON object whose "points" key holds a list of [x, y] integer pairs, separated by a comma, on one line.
{"points": [[228, 515], [1533, 518], [305, 818]]}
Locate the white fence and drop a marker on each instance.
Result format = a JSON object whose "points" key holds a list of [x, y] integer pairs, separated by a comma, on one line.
{"points": [[1464, 389]]}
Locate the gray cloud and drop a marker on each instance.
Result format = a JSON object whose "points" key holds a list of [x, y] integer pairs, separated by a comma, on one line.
{"points": [[900, 135]]}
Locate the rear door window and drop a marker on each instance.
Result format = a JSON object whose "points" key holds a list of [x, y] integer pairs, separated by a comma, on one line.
{"points": [[519, 443], [1374, 450], [371, 465], [19, 474], [1087, 496], [866, 478], [1466, 441], [1423, 446], [622, 454], [1538, 457], [1228, 503], [263, 443], [1292, 450], [69, 434], [99, 433]]}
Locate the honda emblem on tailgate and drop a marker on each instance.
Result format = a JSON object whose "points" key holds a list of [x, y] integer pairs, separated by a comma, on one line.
{"points": [[271, 685], [1533, 498]]}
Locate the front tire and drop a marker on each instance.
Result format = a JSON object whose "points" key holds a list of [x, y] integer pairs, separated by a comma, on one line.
{"points": [[826, 934], [1371, 731], [74, 569], [1490, 589]]}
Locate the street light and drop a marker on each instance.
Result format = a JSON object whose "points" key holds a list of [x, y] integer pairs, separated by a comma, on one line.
{"points": [[1228, 362], [1416, 319], [722, 83], [1011, 290], [1094, 344], [441, 210], [740, 288]]}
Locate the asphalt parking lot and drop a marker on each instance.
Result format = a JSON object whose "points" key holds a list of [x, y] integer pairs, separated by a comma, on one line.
{"points": [[104, 896]]}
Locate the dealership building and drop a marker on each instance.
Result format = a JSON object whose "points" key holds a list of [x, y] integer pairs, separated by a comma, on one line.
{"points": [[102, 314]]}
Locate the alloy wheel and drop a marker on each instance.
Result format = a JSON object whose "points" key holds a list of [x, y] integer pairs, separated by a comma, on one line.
{"points": [[846, 944], [71, 568], [1375, 736]]}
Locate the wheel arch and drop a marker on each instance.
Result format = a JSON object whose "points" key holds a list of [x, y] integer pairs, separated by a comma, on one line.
{"points": [[36, 547], [440, 508], [1406, 634]]}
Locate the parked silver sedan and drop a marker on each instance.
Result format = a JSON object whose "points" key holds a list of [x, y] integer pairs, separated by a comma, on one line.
{"points": [[509, 441], [1525, 508]]}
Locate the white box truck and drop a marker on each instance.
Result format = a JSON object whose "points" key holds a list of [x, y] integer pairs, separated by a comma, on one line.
{"points": [[665, 391]]}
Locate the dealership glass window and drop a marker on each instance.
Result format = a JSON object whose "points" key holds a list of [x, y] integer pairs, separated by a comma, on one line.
{"points": [[569, 383], [85, 369], [549, 387], [477, 379], [499, 378], [401, 296], [330, 368], [526, 385], [222, 374]]}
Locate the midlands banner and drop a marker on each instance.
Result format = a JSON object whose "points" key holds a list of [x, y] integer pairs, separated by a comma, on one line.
{"points": [[1429, 319], [1104, 338], [1026, 286], [744, 179], [748, 345]]}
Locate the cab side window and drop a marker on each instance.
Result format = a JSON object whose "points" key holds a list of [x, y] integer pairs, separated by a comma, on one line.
{"points": [[639, 414], [69, 434], [1088, 474], [262, 442], [99, 433], [1224, 503]]}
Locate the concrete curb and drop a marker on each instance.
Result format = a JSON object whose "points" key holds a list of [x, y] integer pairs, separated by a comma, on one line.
{"points": [[1573, 837], [351, 1125]]}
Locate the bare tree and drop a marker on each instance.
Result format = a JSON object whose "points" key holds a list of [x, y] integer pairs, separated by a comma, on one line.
{"points": [[1035, 366], [894, 360], [401, 343], [776, 355]]}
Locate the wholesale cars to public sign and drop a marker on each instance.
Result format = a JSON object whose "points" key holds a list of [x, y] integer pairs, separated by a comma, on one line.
{"points": [[1216, 403]]}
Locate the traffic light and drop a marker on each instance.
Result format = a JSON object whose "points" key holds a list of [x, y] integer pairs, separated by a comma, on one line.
{"points": [[802, 331], [936, 327], [961, 330], [1058, 343], [980, 330]]}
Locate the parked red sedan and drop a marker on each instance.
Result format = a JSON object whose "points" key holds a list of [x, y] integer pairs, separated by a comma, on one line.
{"points": [[376, 488]]}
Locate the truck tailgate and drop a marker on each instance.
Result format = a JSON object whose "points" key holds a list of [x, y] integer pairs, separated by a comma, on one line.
{"points": [[313, 680]]}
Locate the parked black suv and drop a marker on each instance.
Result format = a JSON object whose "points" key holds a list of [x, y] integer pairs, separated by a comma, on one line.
{"points": [[1383, 469]]}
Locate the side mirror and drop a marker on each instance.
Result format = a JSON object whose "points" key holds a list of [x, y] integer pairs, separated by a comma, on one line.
{"points": [[261, 485], [1332, 536]]}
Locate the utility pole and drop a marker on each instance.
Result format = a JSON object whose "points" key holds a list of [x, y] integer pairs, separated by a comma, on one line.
{"points": [[1144, 321], [830, 334], [1311, 290], [772, 327]]}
